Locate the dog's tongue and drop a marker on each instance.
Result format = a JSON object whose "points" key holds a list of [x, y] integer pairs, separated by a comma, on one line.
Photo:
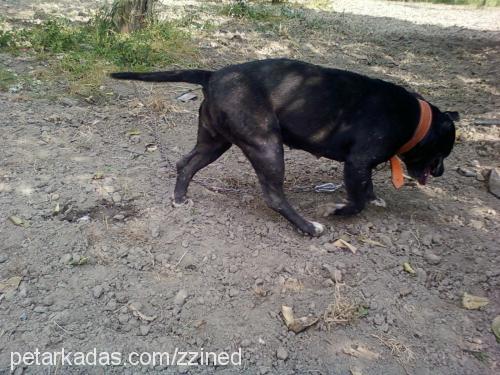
{"points": [[422, 180]]}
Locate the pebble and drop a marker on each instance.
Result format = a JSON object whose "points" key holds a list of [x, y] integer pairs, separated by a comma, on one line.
{"points": [[117, 198], [123, 318], [180, 297], [379, 319], [40, 309], [403, 292], [476, 224], [111, 306], [432, 258], [282, 354], [245, 343], [97, 291], [144, 330], [233, 292], [119, 217], [494, 182], [23, 316], [66, 258], [466, 172], [155, 231], [3, 258]]}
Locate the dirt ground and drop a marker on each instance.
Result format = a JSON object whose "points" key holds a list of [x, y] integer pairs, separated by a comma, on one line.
{"points": [[101, 241]]}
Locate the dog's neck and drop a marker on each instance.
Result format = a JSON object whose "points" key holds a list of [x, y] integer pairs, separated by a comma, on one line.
{"points": [[423, 127]]}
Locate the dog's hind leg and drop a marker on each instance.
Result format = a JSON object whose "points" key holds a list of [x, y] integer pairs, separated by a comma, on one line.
{"points": [[268, 161], [209, 147]]}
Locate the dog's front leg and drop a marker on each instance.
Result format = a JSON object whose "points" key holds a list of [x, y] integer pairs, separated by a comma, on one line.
{"points": [[359, 186]]}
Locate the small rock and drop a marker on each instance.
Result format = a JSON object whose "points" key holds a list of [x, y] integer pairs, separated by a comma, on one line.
{"points": [[123, 318], [3, 258], [466, 172], [476, 224], [245, 343], [144, 330], [119, 217], [403, 292], [66, 258], [432, 258], [111, 305], [97, 291], [281, 353], [117, 198], [427, 240], [155, 231], [23, 316], [40, 309], [494, 182], [233, 292], [180, 297], [379, 319]]}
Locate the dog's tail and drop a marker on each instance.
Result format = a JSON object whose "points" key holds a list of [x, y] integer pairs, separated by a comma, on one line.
{"points": [[196, 76]]}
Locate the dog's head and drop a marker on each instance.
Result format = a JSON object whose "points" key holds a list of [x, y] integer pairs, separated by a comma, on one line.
{"points": [[427, 157]]}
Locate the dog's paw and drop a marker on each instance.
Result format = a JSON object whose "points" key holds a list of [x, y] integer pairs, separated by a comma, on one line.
{"points": [[346, 210], [188, 203], [318, 228], [379, 202]]}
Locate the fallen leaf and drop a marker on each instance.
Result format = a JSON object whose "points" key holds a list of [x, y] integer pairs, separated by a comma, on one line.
{"points": [[345, 245], [16, 220], [140, 315], [372, 242], [10, 284], [495, 327], [361, 352], [408, 268], [296, 324], [98, 175], [187, 96], [133, 132], [261, 292], [472, 302], [151, 147], [79, 261]]}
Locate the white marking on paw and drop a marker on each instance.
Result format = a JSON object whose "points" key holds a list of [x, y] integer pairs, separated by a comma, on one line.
{"points": [[318, 228], [339, 206], [379, 202], [187, 203]]}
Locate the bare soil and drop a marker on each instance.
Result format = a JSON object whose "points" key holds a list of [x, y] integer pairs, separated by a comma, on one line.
{"points": [[100, 233]]}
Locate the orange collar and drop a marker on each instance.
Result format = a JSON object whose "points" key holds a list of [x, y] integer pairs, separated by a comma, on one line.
{"points": [[423, 127]]}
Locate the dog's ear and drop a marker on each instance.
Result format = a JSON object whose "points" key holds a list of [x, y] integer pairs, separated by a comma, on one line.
{"points": [[453, 115]]}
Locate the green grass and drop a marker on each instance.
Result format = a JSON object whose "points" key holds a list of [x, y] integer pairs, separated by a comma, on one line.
{"points": [[271, 16], [494, 3], [84, 54], [7, 78]]}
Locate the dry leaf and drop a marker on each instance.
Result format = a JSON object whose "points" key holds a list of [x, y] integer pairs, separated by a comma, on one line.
{"points": [[98, 175], [495, 327], [471, 302], [16, 220], [187, 96], [296, 324], [133, 132], [361, 352], [372, 242], [345, 245], [408, 268], [140, 315], [10, 284]]}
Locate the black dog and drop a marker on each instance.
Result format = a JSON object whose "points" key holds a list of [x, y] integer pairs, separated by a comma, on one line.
{"points": [[340, 115]]}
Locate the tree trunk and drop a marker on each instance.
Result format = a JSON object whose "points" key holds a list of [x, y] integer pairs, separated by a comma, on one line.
{"points": [[131, 15]]}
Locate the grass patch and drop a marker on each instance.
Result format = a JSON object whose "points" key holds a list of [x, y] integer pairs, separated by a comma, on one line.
{"points": [[84, 54], [7, 78], [493, 3], [272, 17]]}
